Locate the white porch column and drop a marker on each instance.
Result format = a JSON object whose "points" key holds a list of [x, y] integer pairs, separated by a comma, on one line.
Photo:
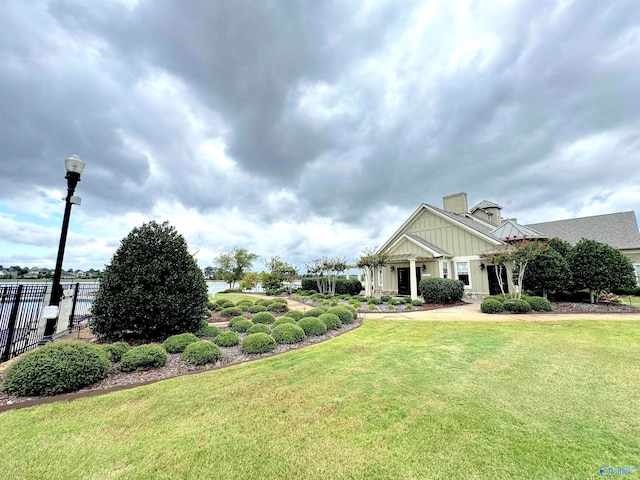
{"points": [[412, 279]]}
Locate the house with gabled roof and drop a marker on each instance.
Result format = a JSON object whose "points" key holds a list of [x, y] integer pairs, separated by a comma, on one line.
{"points": [[449, 242]]}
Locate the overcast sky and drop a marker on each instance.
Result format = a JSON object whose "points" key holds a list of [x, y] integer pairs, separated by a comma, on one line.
{"points": [[308, 128]]}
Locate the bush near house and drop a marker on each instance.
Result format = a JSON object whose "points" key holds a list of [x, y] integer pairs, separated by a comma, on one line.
{"points": [[288, 333], [227, 339], [258, 343], [441, 290], [177, 343], [57, 367], [539, 304], [517, 306], [115, 350], [201, 352], [491, 305], [343, 286], [143, 357], [345, 315]]}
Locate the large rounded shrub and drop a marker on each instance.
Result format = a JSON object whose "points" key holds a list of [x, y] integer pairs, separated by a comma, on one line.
{"points": [[115, 350], [539, 304], [227, 339], [152, 289], [143, 357], [441, 290], [331, 321], [517, 306], [288, 333], [263, 317], [278, 307], [257, 308], [201, 352], [259, 328], [57, 367], [312, 326], [491, 305], [258, 343], [231, 312], [241, 326], [177, 343], [281, 320], [343, 313], [315, 312], [295, 314], [207, 331]]}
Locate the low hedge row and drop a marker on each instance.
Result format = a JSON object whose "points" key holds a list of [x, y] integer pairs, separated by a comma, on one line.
{"points": [[499, 304]]}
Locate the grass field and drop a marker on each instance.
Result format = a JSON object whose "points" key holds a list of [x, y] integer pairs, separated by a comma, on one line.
{"points": [[392, 399]]}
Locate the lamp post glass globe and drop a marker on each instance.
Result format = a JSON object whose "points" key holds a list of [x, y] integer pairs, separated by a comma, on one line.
{"points": [[74, 164]]}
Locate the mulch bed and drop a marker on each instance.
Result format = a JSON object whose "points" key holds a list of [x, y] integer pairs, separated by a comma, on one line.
{"points": [[582, 307], [175, 367]]}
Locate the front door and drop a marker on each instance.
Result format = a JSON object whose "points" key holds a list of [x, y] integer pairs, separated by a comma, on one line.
{"points": [[494, 286], [404, 283]]}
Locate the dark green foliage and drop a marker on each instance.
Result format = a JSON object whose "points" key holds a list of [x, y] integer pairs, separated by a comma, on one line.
{"points": [[312, 326], [201, 352], [294, 314], [396, 301], [499, 298], [115, 350], [288, 333], [206, 330], [548, 270], [627, 291], [227, 339], [143, 357], [331, 321], [599, 268], [358, 298], [343, 286], [374, 301], [441, 290], [278, 307], [345, 315], [517, 306], [241, 326], [177, 343], [539, 304], [265, 302], [259, 328], [258, 343], [561, 246], [225, 304], [57, 367], [385, 298], [416, 303], [231, 312], [315, 312], [257, 308], [282, 320], [491, 305], [263, 317], [153, 288]]}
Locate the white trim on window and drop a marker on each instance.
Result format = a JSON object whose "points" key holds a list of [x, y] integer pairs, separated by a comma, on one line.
{"points": [[636, 267], [462, 271]]}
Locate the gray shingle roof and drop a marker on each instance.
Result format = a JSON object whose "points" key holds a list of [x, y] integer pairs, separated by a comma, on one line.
{"points": [[485, 204], [467, 220], [620, 230], [429, 245]]}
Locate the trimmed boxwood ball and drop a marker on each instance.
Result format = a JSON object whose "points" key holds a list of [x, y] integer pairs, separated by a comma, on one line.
{"points": [[517, 306], [263, 317], [315, 312], [344, 314], [257, 308], [227, 339], [352, 309], [280, 300], [259, 328], [57, 367], [258, 343], [225, 304], [236, 319], [296, 315], [491, 305], [231, 312], [177, 343], [115, 350], [143, 357], [441, 290], [242, 326], [201, 352], [282, 320], [288, 333], [312, 326], [539, 304], [207, 331], [278, 307], [331, 320]]}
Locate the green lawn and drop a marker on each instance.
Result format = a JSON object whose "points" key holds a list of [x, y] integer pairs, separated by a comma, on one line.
{"points": [[392, 399]]}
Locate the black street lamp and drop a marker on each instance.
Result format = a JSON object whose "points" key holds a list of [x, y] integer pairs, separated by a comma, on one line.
{"points": [[74, 167]]}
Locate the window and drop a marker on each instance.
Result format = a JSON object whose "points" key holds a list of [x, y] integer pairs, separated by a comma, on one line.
{"points": [[462, 272], [445, 269], [637, 267]]}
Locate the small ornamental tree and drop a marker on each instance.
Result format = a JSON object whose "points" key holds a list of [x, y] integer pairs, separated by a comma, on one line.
{"points": [[233, 266], [548, 271], [599, 268], [371, 261], [152, 289]]}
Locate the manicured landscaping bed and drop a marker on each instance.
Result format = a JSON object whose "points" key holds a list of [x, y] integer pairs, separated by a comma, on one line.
{"points": [[392, 399]]}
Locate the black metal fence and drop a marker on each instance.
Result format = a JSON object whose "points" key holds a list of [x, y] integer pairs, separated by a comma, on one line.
{"points": [[20, 309]]}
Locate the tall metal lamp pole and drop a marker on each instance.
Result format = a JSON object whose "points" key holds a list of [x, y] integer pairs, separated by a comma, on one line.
{"points": [[74, 167]]}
